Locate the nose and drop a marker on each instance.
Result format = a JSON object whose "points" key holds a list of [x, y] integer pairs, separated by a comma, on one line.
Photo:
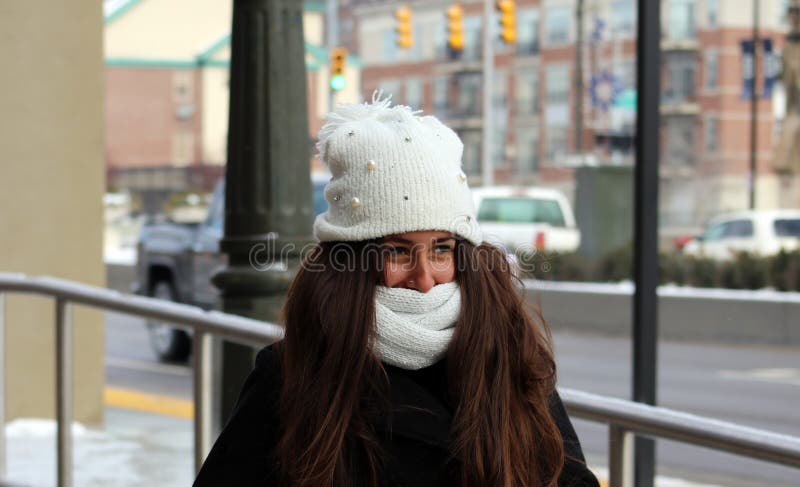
{"points": [[422, 276]]}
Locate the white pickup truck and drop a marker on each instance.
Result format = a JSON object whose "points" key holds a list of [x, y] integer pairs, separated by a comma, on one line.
{"points": [[526, 218]]}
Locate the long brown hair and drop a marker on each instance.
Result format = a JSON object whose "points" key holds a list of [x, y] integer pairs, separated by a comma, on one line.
{"points": [[500, 374]]}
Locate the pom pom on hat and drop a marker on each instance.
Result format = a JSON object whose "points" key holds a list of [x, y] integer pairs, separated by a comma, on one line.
{"points": [[393, 172]]}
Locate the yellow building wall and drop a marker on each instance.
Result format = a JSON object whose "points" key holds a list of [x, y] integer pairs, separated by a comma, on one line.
{"points": [[174, 29], [51, 151]]}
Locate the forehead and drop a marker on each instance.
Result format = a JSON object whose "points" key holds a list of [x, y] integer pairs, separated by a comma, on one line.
{"points": [[419, 237]]}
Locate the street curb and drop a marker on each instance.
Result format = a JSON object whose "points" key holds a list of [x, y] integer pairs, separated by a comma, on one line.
{"points": [[149, 403]]}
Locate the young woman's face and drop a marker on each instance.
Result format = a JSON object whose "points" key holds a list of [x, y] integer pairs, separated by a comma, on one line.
{"points": [[419, 260]]}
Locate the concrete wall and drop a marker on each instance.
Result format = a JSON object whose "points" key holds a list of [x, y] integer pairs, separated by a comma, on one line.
{"points": [[51, 186], [684, 314]]}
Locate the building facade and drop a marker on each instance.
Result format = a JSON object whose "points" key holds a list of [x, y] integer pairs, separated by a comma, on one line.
{"points": [[544, 125], [166, 110]]}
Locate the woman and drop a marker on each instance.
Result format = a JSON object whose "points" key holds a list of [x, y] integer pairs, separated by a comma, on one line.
{"points": [[409, 357]]}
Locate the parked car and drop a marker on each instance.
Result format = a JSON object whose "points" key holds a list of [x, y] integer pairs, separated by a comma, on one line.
{"points": [[760, 232], [526, 218], [175, 262]]}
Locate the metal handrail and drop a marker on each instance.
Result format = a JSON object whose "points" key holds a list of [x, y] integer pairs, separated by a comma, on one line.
{"points": [[204, 323], [626, 418]]}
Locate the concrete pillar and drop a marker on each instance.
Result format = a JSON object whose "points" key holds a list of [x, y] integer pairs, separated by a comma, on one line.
{"points": [[51, 186]]}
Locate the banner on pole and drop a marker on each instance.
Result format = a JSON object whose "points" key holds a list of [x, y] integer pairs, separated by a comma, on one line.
{"points": [[772, 67], [748, 71]]}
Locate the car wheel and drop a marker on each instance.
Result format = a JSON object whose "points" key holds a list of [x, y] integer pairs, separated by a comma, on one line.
{"points": [[169, 344]]}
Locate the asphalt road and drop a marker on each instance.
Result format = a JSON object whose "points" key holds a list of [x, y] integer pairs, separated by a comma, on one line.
{"points": [[753, 386]]}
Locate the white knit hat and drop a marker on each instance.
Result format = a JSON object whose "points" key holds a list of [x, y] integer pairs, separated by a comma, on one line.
{"points": [[393, 172]]}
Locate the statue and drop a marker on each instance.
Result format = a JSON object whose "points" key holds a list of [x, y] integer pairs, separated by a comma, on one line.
{"points": [[787, 154]]}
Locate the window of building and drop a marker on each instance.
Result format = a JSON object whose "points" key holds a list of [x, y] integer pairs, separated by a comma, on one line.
{"points": [[473, 42], [681, 20], [182, 148], [711, 134], [499, 145], [556, 144], [472, 151], [623, 18], [527, 93], [440, 39], [712, 13], [680, 84], [390, 87], [528, 32], [557, 83], [468, 102], [783, 18], [712, 68], [414, 93], [415, 52], [500, 88], [558, 24], [625, 71], [389, 45], [500, 115], [527, 150], [679, 147], [440, 96]]}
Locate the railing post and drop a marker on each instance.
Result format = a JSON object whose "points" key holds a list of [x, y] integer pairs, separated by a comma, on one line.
{"points": [[3, 369], [620, 457], [64, 392], [201, 356]]}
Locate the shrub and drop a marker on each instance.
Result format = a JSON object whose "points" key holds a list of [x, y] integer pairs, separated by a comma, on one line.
{"points": [[745, 271]]}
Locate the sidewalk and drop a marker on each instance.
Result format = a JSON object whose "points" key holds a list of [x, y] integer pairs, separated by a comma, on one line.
{"points": [[133, 448], [146, 440]]}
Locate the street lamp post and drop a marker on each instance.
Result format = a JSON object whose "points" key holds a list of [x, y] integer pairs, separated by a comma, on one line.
{"points": [[268, 212], [751, 182]]}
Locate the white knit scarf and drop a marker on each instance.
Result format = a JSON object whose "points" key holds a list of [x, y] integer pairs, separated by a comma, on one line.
{"points": [[415, 328]]}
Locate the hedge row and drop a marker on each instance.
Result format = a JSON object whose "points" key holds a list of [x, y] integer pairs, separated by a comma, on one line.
{"points": [[746, 271]]}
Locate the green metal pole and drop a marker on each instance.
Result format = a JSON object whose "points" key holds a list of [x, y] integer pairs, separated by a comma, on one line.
{"points": [[268, 211]]}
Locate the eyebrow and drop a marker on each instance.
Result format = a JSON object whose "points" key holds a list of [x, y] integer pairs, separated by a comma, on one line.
{"points": [[407, 241]]}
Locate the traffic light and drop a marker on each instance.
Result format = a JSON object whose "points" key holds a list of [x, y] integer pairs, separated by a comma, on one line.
{"points": [[338, 61], [405, 39], [455, 27], [508, 21]]}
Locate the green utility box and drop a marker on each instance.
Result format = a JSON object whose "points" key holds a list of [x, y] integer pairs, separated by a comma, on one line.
{"points": [[604, 208]]}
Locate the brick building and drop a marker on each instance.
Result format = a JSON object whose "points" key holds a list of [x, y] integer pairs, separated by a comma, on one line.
{"points": [[705, 121], [166, 86]]}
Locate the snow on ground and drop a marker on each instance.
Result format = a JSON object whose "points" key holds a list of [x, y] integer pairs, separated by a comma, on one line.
{"points": [[132, 449]]}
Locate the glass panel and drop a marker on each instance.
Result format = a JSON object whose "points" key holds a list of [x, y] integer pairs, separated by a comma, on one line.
{"points": [[472, 38], [521, 210], [681, 20], [527, 150], [738, 228], [527, 99], [558, 24], [414, 93], [787, 227], [623, 17], [528, 32]]}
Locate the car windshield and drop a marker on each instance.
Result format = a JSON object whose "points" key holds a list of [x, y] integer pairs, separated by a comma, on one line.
{"points": [[521, 210], [787, 227]]}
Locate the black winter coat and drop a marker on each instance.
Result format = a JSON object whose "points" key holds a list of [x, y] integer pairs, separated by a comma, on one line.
{"points": [[417, 449]]}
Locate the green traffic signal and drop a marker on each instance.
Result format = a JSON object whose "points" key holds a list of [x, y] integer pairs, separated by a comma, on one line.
{"points": [[337, 82]]}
